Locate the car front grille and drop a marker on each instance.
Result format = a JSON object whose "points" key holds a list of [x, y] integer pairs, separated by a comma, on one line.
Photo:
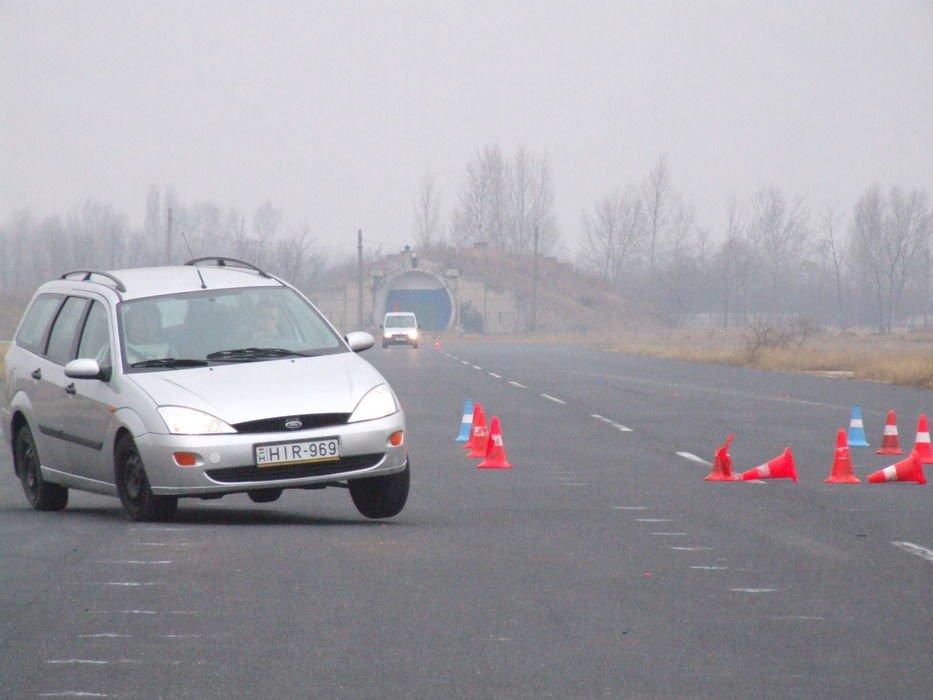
{"points": [[237, 475], [277, 425]]}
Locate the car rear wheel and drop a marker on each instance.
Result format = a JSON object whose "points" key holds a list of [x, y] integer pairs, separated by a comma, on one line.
{"points": [[134, 489], [381, 496], [41, 494]]}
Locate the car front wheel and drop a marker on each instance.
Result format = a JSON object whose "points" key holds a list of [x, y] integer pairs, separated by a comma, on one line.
{"points": [[134, 489], [40, 493], [381, 496]]}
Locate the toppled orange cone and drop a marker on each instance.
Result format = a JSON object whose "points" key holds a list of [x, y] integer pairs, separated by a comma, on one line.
{"points": [[909, 469], [778, 468], [722, 464], [890, 444], [495, 451], [842, 463]]}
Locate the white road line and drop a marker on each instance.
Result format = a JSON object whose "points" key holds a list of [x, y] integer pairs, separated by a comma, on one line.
{"points": [[630, 507], [94, 662], [753, 590], [73, 694], [517, 385], [692, 549], [113, 635], [464, 362], [124, 583], [477, 367], [652, 520], [554, 399], [670, 534], [911, 548], [797, 617], [609, 421], [495, 376], [710, 568], [693, 458], [132, 561]]}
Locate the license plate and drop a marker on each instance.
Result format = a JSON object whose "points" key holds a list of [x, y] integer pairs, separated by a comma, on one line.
{"points": [[282, 453]]}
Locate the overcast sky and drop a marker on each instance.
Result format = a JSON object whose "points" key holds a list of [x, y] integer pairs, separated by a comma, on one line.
{"points": [[335, 111]]}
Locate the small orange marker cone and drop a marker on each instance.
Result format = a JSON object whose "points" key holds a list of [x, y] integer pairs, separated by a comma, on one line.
{"points": [[722, 464], [909, 469], [478, 435], [495, 451], [778, 468], [842, 463], [437, 345], [922, 443], [890, 444]]}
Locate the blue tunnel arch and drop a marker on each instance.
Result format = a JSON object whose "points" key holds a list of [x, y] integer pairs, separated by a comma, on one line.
{"points": [[420, 292]]}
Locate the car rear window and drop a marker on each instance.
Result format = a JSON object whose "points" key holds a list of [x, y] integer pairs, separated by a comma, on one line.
{"points": [[35, 325]]}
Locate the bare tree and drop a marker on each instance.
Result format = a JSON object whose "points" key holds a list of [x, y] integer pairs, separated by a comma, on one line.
{"points": [[429, 231], [657, 196], [830, 249], [530, 204], [481, 214], [613, 232]]}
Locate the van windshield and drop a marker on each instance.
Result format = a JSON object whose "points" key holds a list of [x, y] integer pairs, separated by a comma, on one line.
{"points": [[407, 321]]}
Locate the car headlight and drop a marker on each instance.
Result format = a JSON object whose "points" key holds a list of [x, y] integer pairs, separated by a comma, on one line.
{"points": [[189, 421], [378, 403]]}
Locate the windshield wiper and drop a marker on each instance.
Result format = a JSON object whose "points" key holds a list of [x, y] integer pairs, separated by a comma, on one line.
{"points": [[169, 362], [247, 354]]}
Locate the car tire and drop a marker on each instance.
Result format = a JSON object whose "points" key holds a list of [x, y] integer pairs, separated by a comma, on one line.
{"points": [[41, 494], [264, 495], [134, 489], [381, 496]]}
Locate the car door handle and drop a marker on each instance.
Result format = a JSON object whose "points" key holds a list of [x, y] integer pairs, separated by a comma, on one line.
{"points": [[37, 374], [70, 389]]}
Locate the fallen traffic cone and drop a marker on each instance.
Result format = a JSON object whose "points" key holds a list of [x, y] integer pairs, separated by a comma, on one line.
{"points": [[857, 429], [778, 468], [722, 464], [495, 451], [909, 469], [466, 422], [478, 434], [922, 443], [890, 443], [842, 463]]}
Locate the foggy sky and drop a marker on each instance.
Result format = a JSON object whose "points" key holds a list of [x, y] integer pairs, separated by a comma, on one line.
{"points": [[335, 111]]}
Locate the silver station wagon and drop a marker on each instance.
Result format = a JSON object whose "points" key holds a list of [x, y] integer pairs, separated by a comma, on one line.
{"points": [[199, 380]]}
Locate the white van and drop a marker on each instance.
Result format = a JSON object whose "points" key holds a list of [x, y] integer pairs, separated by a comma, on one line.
{"points": [[400, 328]]}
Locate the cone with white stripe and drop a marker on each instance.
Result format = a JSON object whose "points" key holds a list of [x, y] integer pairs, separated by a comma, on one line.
{"points": [[495, 450], [778, 468], [890, 444], [466, 422], [842, 463], [857, 429], [479, 435], [922, 443], [909, 469]]}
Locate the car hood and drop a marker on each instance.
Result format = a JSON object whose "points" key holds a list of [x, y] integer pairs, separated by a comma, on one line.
{"points": [[254, 390]]}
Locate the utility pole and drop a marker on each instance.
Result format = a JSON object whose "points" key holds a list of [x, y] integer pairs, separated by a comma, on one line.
{"points": [[359, 278], [168, 238], [534, 284]]}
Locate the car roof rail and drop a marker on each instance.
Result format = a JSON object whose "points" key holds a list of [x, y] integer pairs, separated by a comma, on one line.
{"points": [[87, 277], [223, 261]]}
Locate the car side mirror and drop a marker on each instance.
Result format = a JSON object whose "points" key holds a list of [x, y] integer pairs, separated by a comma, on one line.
{"points": [[86, 368], [359, 341]]}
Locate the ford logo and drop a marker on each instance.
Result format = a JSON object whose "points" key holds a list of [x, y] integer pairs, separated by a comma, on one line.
{"points": [[293, 424]]}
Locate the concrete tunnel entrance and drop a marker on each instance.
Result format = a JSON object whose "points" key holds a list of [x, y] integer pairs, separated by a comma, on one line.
{"points": [[420, 292]]}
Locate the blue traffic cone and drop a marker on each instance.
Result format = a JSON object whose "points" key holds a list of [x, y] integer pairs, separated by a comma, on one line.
{"points": [[467, 421], [856, 429]]}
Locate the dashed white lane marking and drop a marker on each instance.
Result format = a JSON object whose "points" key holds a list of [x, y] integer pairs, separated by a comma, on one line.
{"points": [[692, 549], [464, 362], [630, 507], [129, 584], [710, 568], [165, 544], [554, 399], [609, 421], [95, 662], [670, 534], [133, 561], [517, 385], [911, 548], [495, 376], [112, 635], [652, 520], [477, 367], [73, 694], [753, 590], [797, 617], [693, 458]]}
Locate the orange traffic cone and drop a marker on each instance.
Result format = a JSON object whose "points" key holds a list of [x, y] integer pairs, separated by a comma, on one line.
{"points": [[922, 443], [495, 451], [437, 345], [722, 464], [890, 444], [479, 435], [910, 469], [778, 468], [478, 420], [842, 463]]}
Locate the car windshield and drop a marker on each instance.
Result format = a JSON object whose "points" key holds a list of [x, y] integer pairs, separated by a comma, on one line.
{"points": [[400, 321], [236, 325]]}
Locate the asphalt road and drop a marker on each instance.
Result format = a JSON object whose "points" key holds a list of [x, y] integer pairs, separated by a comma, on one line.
{"points": [[601, 565]]}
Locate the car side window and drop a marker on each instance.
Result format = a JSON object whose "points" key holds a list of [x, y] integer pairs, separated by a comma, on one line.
{"points": [[65, 329], [95, 339], [32, 330]]}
